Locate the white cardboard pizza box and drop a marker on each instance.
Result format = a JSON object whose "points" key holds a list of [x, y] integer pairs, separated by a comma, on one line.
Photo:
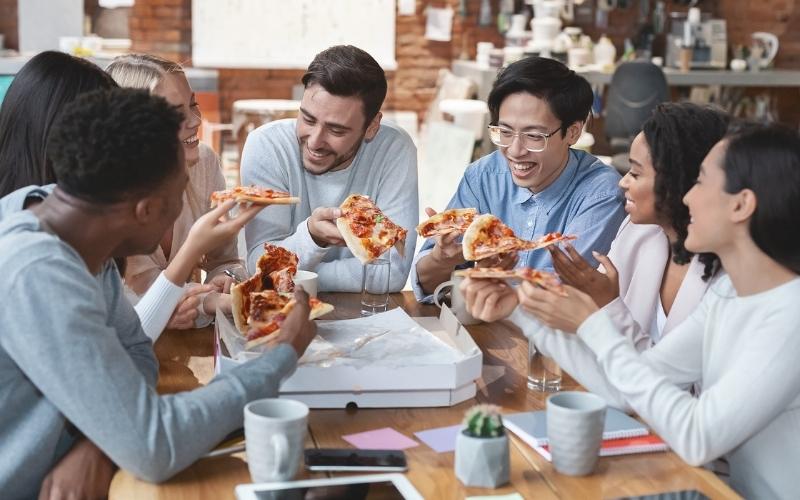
{"points": [[372, 385]]}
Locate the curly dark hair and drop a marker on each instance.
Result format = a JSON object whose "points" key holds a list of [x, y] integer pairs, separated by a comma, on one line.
{"points": [[108, 146], [679, 136]]}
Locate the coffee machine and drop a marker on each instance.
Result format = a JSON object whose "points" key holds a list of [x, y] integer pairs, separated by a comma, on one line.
{"points": [[707, 37]]}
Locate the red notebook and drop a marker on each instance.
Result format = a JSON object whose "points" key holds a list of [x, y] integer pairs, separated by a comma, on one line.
{"points": [[624, 446]]}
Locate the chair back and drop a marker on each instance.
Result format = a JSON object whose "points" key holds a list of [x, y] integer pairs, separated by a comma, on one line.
{"points": [[636, 88]]}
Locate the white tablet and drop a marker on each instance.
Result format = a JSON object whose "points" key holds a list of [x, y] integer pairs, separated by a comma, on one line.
{"points": [[371, 487]]}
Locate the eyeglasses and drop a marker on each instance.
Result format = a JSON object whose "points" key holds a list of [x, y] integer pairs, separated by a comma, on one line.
{"points": [[535, 142]]}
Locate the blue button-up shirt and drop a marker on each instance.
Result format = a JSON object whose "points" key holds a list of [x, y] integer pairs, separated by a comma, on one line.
{"points": [[585, 201]]}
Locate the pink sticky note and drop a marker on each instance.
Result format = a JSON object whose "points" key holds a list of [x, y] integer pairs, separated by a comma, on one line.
{"points": [[380, 439]]}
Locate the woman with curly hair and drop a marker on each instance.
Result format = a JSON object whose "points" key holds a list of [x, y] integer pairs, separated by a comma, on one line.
{"points": [[654, 282]]}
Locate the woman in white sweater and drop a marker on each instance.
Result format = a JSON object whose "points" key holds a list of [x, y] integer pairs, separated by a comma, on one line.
{"points": [[742, 342], [196, 308], [653, 282]]}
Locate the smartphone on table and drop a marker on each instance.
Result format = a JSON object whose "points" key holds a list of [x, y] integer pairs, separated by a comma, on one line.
{"points": [[345, 459]]}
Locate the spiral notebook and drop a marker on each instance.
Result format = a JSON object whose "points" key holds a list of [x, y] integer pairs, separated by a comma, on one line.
{"points": [[531, 426]]}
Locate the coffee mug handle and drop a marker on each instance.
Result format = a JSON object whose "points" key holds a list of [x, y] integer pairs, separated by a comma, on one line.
{"points": [[280, 446], [438, 291]]}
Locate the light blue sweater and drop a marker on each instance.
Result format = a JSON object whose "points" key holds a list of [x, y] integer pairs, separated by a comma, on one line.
{"points": [[385, 169], [72, 353]]}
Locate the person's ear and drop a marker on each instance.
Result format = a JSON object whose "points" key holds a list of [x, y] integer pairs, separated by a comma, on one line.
{"points": [[744, 205], [373, 127], [146, 209], [574, 132]]}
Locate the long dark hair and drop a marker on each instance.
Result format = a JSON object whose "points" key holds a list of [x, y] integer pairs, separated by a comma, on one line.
{"points": [[33, 102], [766, 160], [679, 136]]}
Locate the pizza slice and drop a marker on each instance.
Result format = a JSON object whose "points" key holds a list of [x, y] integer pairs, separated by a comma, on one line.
{"points": [[279, 265], [547, 240], [367, 232], [268, 311], [276, 270], [542, 279], [253, 194], [488, 236], [455, 220]]}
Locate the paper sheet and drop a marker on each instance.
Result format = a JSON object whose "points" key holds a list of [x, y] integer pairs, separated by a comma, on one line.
{"points": [[390, 339], [439, 25], [380, 439], [441, 439]]}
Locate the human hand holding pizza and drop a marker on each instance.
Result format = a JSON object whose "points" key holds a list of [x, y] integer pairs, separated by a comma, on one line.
{"points": [[563, 312], [488, 299], [447, 249], [322, 226], [575, 271]]}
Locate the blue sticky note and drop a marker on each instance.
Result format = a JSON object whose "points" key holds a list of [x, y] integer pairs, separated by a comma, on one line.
{"points": [[441, 439]]}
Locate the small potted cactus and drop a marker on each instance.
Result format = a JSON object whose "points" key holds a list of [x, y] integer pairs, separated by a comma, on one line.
{"points": [[482, 448]]}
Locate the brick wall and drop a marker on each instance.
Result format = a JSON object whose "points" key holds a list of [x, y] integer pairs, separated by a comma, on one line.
{"points": [[163, 27], [8, 23]]}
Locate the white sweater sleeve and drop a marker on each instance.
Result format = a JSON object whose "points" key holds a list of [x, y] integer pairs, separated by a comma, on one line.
{"points": [[157, 304], [748, 391]]}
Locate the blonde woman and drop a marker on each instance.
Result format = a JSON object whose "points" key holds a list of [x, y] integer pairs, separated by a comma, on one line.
{"points": [[168, 80]]}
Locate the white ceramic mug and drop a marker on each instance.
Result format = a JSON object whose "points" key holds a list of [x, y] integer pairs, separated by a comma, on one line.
{"points": [[575, 423], [457, 303], [274, 432], [308, 280]]}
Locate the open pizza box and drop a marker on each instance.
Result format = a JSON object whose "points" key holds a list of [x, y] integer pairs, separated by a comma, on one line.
{"points": [[389, 360]]}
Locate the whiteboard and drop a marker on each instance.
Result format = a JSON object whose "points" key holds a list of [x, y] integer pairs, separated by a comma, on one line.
{"points": [[288, 33]]}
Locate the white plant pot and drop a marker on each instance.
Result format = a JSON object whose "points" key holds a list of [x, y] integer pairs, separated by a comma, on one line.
{"points": [[482, 461]]}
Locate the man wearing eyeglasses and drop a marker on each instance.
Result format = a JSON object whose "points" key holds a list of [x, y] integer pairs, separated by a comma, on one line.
{"points": [[534, 181]]}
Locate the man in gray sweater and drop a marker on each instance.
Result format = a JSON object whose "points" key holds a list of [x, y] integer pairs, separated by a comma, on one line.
{"points": [[337, 147], [74, 361]]}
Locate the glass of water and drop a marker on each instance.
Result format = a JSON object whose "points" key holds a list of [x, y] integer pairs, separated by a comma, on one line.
{"points": [[544, 374], [375, 287]]}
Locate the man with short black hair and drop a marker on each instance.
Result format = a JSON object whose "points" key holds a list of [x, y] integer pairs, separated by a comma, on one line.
{"points": [[74, 360], [338, 146], [535, 182]]}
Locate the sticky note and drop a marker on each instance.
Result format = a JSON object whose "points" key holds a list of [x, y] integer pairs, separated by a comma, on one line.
{"points": [[441, 439], [380, 439]]}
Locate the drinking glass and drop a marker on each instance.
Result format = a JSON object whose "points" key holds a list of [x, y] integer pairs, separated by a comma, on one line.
{"points": [[544, 374], [375, 287]]}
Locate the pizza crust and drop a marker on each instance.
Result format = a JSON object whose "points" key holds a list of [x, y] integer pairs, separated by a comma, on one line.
{"points": [[473, 233], [353, 242], [436, 219], [257, 200]]}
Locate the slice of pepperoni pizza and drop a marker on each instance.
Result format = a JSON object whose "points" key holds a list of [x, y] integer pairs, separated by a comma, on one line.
{"points": [[268, 311], [455, 220], [539, 278], [367, 232], [488, 236], [253, 194], [276, 270]]}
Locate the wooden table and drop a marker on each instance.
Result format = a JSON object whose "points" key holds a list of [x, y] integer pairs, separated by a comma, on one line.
{"points": [[186, 359]]}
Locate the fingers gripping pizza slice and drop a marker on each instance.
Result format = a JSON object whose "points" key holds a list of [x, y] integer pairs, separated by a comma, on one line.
{"points": [[455, 220], [539, 278], [367, 232], [268, 311], [253, 194]]}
